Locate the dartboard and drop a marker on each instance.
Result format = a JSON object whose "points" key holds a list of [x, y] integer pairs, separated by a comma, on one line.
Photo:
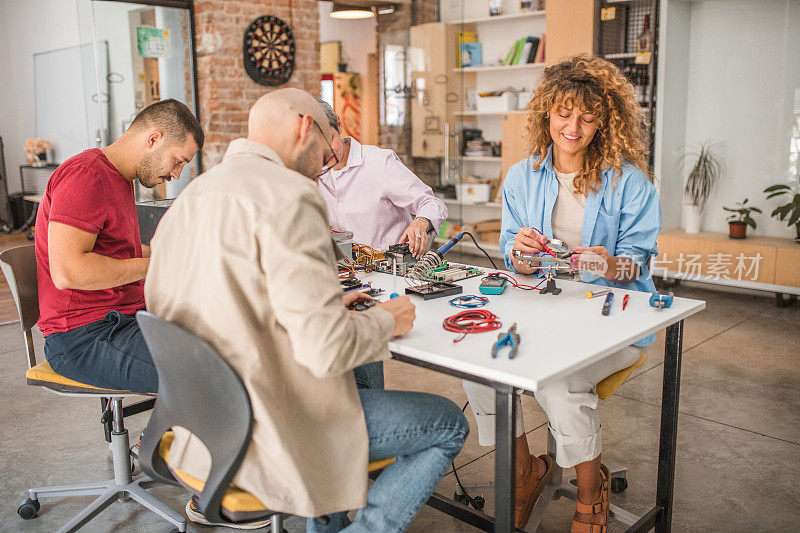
{"points": [[269, 51]]}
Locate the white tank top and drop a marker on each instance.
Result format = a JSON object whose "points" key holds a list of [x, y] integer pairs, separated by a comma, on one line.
{"points": [[568, 211]]}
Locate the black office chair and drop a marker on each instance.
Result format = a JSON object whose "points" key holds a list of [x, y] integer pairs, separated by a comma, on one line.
{"points": [[192, 377]]}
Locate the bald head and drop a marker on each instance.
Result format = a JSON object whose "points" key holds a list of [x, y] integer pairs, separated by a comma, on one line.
{"points": [[275, 120]]}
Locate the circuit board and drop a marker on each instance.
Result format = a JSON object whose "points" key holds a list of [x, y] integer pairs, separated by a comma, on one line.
{"points": [[445, 272]]}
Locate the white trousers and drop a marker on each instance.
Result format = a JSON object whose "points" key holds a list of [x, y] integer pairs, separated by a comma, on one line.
{"points": [[569, 403]]}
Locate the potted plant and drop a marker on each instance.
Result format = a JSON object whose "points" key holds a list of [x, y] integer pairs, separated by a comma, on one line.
{"points": [[705, 170], [790, 211], [740, 219]]}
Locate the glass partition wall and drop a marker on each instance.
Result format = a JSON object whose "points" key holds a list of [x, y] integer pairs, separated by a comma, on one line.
{"points": [[134, 54]]}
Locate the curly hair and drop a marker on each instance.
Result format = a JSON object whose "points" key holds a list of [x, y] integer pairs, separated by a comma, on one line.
{"points": [[598, 87]]}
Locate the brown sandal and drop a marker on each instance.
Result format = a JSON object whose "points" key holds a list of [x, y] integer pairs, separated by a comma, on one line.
{"points": [[531, 490], [598, 511]]}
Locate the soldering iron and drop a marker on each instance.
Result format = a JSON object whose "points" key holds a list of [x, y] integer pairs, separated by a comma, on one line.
{"points": [[433, 258]]}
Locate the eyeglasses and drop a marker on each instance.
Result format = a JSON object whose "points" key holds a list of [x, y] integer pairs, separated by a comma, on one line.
{"points": [[332, 161]]}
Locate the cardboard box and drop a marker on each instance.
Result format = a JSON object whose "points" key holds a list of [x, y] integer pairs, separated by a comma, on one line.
{"points": [[492, 237], [488, 225]]}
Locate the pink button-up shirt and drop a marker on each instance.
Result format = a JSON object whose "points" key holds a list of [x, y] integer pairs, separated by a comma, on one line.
{"points": [[374, 196]]}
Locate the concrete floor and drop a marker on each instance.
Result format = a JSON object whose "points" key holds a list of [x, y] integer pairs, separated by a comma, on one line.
{"points": [[739, 434]]}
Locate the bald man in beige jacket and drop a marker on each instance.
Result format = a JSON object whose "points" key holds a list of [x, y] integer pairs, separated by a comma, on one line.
{"points": [[244, 259]]}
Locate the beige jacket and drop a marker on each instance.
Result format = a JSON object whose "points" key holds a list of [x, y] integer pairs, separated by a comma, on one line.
{"points": [[244, 259]]}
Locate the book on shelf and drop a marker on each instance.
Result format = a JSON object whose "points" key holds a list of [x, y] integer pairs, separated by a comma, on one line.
{"points": [[471, 55], [518, 54], [540, 53], [511, 53], [533, 49], [525, 50], [464, 37]]}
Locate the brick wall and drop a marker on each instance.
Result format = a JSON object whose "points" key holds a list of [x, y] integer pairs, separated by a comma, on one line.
{"points": [[225, 90]]}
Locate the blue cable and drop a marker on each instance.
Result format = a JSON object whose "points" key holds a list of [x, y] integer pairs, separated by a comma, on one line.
{"points": [[469, 301]]}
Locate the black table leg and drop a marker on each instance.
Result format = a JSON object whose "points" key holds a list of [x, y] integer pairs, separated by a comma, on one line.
{"points": [[505, 418], [669, 426]]}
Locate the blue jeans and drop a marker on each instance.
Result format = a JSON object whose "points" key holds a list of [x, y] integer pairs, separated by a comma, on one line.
{"points": [[109, 353], [424, 432], [369, 376]]}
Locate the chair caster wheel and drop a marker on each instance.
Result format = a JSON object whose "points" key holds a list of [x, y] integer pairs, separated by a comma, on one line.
{"points": [[619, 484], [478, 502], [29, 509]]}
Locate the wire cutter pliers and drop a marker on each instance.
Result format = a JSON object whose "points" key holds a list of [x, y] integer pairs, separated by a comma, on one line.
{"points": [[511, 338]]}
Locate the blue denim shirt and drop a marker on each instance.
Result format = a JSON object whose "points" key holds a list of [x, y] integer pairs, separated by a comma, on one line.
{"points": [[624, 215]]}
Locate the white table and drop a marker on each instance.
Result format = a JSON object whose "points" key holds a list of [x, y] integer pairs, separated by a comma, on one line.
{"points": [[560, 334]]}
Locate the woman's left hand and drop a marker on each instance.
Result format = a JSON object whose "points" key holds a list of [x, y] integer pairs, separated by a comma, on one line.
{"points": [[596, 260]]}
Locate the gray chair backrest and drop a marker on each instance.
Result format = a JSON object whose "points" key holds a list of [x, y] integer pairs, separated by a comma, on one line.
{"points": [[19, 267], [197, 390]]}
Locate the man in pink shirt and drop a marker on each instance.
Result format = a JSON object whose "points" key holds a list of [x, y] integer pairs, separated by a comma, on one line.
{"points": [[370, 192]]}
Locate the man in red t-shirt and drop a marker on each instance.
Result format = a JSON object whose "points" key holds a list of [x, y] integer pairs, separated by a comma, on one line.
{"points": [[90, 259]]}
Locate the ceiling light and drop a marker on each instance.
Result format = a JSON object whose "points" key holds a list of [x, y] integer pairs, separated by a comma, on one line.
{"points": [[344, 11]]}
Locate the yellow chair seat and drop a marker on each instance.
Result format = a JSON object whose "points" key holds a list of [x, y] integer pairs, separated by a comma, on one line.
{"points": [[607, 387], [43, 376], [236, 501]]}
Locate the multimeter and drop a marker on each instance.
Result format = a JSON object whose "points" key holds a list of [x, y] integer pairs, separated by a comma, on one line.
{"points": [[493, 285]]}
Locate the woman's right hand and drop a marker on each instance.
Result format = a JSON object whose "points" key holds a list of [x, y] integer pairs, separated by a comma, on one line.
{"points": [[529, 241]]}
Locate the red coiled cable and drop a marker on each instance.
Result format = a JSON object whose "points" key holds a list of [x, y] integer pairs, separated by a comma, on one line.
{"points": [[472, 321]]}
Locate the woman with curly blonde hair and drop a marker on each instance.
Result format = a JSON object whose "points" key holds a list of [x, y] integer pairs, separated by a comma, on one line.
{"points": [[586, 182]]}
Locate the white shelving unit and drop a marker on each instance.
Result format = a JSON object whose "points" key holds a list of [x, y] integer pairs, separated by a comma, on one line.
{"points": [[483, 159], [496, 68], [491, 205], [510, 16], [488, 113]]}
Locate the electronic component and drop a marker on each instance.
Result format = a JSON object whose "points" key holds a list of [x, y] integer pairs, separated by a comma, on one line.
{"points": [[493, 285], [445, 272], [435, 289], [362, 305], [661, 301], [354, 284], [533, 260], [401, 253], [373, 292]]}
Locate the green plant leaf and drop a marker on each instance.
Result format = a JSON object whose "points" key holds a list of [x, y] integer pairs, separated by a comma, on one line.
{"points": [[775, 194], [777, 187], [750, 222], [756, 210], [794, 218]]}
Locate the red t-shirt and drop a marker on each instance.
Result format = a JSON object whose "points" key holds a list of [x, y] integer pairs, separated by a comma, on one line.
{"points": [[87, 192]]}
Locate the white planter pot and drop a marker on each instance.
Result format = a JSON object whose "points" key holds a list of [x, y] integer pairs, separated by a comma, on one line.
{"points": [[692, 218]]}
